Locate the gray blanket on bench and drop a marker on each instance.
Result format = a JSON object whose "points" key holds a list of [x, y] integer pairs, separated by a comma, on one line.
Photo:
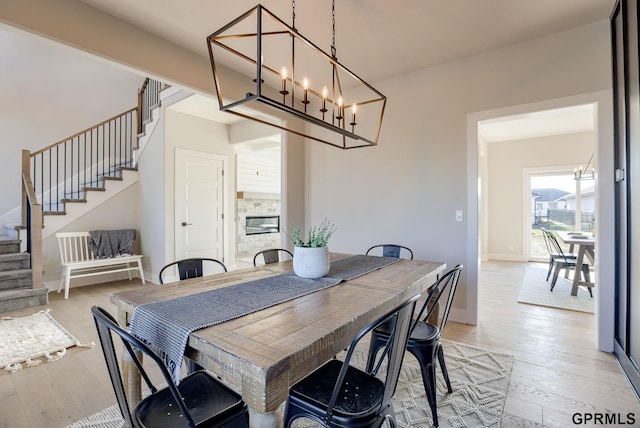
{"points": [[112, 243]]}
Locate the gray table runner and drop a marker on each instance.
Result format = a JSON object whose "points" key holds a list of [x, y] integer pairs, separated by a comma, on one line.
{"points": [[165, 326]]}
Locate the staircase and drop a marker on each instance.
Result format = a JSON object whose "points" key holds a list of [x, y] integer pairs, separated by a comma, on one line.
{"points": [[16, 290], [55, 183]]}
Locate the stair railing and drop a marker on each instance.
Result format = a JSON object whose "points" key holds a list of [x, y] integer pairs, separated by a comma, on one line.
{"points": [[63, 170], [148, 98]]}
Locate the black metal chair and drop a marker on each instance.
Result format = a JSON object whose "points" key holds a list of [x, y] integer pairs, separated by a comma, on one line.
{"points": [[271, 255], [562, 261], [424, 339], [190, 268], [391, 250], [552, 252], [340, 395], [199, 400]]}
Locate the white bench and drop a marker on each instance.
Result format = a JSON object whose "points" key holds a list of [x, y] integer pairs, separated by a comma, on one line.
{"points": [[79, 261]]}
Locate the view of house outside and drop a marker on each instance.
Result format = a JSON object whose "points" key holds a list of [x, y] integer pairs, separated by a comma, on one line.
{"points": [[553, 207]]}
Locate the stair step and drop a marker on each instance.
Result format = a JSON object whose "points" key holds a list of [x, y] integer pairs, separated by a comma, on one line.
{"points": [[14, 261], [8, 246], [12, 300], [19, 278]]}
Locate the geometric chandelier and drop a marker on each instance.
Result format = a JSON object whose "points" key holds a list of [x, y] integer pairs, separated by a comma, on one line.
{"points": [[278, 68]]}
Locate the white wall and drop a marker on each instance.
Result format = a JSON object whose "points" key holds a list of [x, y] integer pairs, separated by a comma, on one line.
{"points": [[408, 188], [506, 162], [49, 93]]}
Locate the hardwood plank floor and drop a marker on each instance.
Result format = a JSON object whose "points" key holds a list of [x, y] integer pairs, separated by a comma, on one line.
{"points": [[558, 370]]}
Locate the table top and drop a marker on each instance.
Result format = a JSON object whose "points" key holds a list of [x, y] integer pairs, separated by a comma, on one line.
{"points": [[577, 238], [261, 354]]}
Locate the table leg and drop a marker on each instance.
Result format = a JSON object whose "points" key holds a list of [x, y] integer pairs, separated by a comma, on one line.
{"points": [[578, 270], [131, 378], [265, 420], [566, 271], [130, 374]]}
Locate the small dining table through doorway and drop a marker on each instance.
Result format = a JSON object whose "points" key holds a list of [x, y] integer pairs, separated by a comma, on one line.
{"points": [[585, 243]]}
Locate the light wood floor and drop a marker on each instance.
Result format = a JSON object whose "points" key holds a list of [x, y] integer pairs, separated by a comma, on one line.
{"points": [[557, 372]]}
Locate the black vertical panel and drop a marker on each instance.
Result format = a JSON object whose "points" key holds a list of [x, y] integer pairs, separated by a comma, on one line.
{"points": [[626, 92]]}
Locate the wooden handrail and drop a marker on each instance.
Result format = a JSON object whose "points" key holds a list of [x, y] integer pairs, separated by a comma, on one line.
{"points": [[83, 132], [33, 212], [140, 100]]}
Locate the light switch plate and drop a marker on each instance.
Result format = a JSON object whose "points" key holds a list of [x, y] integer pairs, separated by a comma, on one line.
{"points": [[459, 215]]}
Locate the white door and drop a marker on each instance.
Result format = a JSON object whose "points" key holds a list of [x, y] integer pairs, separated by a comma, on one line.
{"points": [[199, 215]]}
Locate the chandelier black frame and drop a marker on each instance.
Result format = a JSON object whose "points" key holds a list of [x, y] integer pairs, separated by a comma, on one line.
{"points": [[330, 112]]}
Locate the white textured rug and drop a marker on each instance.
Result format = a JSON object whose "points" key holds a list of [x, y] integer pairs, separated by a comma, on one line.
{"points": [[479, 378], [535, 290], [26, 340]]}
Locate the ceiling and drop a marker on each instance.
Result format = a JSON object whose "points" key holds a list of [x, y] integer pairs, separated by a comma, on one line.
{"points": [[559, 121], [376, 39]]}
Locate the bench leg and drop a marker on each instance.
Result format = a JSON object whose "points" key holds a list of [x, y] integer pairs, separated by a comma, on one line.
{"points": [[141, 271], [129, 272], [66, 273], [61, 280], [66, 284]]}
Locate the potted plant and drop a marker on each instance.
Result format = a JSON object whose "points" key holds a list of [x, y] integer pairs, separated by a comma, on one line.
{"points": [[311, 257]]}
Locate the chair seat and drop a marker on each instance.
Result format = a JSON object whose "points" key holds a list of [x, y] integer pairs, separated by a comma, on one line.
{"points": [[209, 403], [568, 256], [422, 331], [314, 392]]}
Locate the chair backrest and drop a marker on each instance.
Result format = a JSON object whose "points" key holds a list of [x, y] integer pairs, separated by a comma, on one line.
{"points": [[271, 255], [545, 236], [190, 268], [395, 348], [555, 246], [106, 326], [448, 281], [391, 250]]}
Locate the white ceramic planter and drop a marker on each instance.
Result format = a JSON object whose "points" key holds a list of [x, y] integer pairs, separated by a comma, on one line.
{"points": [[311, 262]]}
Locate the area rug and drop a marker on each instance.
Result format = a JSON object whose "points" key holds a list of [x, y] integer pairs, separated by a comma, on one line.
{"points": [[535, 291], [479, 378], [27, 339]]}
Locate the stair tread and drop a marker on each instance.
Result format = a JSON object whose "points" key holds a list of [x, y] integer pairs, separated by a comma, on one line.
{"points": [[5, 294], [14, 256], [9, 241], [15, 273]]}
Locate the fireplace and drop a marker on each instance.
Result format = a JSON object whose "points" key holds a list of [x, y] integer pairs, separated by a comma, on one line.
{"points": [[259, 224]]}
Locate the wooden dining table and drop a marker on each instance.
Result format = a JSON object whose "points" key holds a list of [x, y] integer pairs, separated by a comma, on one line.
{"points": [[586, 248], [262, 354]]}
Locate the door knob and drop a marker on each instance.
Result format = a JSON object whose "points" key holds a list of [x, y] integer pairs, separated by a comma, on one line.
{"points": [[184, 224]]}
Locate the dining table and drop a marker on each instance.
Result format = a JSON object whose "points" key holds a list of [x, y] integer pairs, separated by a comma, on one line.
{"points": [[585, 243], [263, 353]]}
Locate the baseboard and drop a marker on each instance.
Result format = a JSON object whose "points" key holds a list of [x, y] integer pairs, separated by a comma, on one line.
{"points": [[505, 257]]}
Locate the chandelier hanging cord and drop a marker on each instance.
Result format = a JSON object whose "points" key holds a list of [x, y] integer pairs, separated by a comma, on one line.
{"points": [[293, 14], [333, 31]]}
